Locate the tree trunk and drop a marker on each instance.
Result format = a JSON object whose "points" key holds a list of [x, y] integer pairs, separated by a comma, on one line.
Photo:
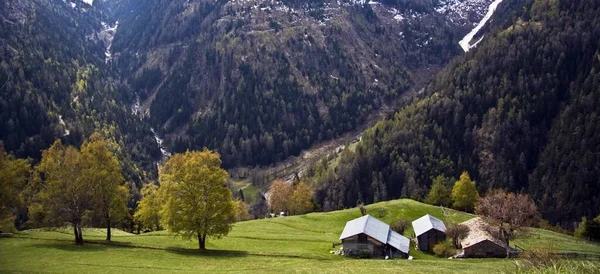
{"points": [[78, 235], [108, 227], [202, 241]]}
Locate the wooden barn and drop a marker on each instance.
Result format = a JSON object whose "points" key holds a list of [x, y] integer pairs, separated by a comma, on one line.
{"points": [[370, 234], [429, 231], [481, 243]]}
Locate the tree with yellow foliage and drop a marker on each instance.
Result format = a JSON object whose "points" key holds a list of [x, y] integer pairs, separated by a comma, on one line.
{"points": [[103, 173], [280, 195], [196, 200], [301, 201], [64, 193], [464, 193], [13, 176], [148, 209]]}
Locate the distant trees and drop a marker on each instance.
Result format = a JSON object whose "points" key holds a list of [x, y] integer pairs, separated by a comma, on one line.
{"points": [[148, 208], [280, 194], [464, 193], [13, 177], [302, 199], [588, 229], [241, 211], [196, 200], [291, 198], [440, 192], [508, 211]]}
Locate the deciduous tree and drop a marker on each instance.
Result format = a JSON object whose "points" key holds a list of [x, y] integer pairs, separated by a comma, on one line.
{"points": [[148, 208], [280, 194], [509, 211], [13, 176], [464, 193], [241, 211], [103, 173], [457, 233], [197, 201], [64, 193], [302, 199]]}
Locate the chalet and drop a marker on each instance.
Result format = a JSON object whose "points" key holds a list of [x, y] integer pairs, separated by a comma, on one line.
{"points": [[370, 234], [481, 243], [429, 231]]}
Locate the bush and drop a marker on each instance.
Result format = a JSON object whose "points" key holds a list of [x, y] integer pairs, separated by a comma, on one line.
{"points": [[457, 233], [444, 249], [543, 224], [539, 257], [401, 225], [363, 254]]}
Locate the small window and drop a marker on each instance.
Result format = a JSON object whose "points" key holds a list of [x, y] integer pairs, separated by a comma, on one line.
{"points": [[362, 239]]}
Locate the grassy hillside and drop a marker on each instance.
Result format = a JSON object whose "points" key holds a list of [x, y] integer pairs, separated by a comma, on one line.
{"points": [[298, 243]]}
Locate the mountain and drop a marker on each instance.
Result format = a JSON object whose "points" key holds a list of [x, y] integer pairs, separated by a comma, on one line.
{"points": [[55, 83], [518, 112], [261, 80]]}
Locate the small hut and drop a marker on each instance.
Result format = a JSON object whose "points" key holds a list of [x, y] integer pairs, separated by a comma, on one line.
{"points": [[429, 231], [370, 234], [481, 243]]}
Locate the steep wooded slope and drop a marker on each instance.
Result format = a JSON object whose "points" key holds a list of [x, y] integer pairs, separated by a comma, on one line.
{"points": [[261, 80], [54, 83], [519, 112]]}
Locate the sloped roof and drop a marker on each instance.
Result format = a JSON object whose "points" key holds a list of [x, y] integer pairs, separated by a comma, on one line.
{"points": [[368, 225], [398, 241], [377, 230], [427, 223], [479, 231]]}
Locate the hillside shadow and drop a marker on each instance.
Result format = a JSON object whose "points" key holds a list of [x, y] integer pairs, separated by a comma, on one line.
{"points": [[71, 246], [207, 253]]}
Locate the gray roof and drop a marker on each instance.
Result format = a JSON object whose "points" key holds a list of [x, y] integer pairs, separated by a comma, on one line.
{"points": [[398, 241], [427, 223], [377, 230]]}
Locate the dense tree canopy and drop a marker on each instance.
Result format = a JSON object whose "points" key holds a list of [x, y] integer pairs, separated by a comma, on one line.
{"points": [[13, 177], [196, 200], [517, 112]]}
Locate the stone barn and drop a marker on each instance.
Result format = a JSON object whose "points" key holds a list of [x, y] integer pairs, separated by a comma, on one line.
{"points": [[481, 242], [374, 236], [429, 231]]}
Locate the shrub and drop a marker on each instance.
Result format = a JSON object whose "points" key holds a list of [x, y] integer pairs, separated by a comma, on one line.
{"points": [[539, 257], [444, 249], [401, 225], [363, 254]]}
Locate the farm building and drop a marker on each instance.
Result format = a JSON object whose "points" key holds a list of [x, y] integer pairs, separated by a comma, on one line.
{"points": [[481, 243], [370, 234], [429, 231]]}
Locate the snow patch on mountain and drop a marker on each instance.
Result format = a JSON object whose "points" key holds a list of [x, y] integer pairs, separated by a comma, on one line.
{"points": [[465, 43], [107, 35]]}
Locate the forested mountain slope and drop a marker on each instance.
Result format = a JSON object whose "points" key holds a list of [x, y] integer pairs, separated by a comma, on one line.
{"points": [[519, 112], [54, 83], [262, 80]]}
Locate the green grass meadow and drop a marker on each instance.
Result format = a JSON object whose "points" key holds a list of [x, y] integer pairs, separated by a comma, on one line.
{"points": [[296, 244]]}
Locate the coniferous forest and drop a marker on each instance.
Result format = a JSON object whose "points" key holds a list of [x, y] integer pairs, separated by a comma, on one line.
{"points": [[518, 113], [261, 83]]}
